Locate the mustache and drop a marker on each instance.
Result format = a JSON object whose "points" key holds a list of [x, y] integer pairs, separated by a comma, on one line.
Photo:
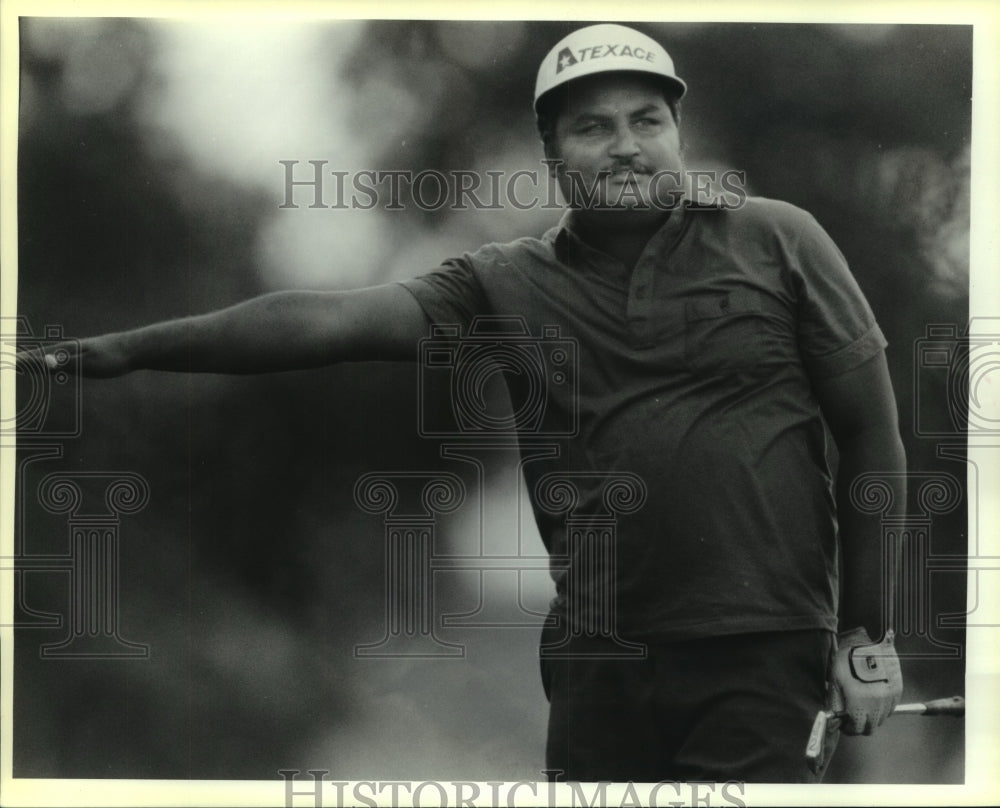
{"points": [[630, 167]]}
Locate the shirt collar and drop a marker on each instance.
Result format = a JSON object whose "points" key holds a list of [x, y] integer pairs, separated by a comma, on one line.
{"points": [[567, 228]]}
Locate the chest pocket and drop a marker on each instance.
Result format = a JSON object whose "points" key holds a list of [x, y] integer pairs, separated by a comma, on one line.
{"points": [[743, 329]]}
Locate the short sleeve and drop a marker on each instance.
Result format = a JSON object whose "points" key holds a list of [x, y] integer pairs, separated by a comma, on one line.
{"points": [[837, 329], [450, 295]]}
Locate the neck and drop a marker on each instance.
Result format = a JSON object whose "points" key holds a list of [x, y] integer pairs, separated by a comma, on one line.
{"points": [[621, 234]]}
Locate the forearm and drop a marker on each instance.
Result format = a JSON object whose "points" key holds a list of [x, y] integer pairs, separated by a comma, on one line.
{"points": [[864, 594], [279, 331], [274, 332]]}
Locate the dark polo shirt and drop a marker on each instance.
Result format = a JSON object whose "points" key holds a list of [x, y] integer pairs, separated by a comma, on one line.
{"points": [[693, 373]]}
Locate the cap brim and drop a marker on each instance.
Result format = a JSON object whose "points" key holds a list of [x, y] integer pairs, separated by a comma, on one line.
{"points": [[678, 86]]}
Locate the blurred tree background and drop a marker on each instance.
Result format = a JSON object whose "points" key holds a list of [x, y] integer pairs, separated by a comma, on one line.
{"points": [[150, 187]]}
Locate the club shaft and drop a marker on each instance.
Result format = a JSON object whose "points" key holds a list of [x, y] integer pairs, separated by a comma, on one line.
{"points": [[955, 705]]}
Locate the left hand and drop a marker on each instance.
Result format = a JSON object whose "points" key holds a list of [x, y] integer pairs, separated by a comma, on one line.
{"points": [[867, 681]]}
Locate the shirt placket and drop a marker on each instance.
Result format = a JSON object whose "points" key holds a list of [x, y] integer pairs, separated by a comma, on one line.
{"points": [[642, 283]]}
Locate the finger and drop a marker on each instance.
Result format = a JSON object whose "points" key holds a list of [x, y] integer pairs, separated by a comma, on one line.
{"points": [[836, 699], [857, 722], [29, 356], [51, 357], [60, 356]]}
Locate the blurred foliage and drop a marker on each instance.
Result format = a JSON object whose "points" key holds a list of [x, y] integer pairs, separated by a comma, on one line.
{"points": [[251, 573]]}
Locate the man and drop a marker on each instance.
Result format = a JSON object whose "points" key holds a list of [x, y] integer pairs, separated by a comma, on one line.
{"points": [[714, 344]]}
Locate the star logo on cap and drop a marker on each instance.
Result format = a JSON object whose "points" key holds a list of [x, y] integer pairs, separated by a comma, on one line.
{"points": [[565, 59]]}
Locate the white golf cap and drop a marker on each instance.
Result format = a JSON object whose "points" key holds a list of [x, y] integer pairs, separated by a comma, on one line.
{"points": [[601, 49]]}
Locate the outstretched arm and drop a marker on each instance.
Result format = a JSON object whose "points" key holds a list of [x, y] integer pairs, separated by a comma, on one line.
{"points": [[274, 332]]}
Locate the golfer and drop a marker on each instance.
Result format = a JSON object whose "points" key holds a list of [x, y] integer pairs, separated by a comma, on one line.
{"points": [[718, 347]]}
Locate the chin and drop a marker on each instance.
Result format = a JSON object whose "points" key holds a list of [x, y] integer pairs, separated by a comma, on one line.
{"points": [[632, 203]]}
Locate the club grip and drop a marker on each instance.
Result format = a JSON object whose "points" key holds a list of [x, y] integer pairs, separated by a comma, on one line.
{"points": [[814, 747]]}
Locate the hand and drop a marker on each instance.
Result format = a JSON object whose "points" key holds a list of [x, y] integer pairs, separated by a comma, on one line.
{"points": [[867, 681], [99, 357]]}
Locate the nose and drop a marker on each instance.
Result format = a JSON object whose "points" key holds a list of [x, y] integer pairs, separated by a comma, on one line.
{"points": [[624, 143]]}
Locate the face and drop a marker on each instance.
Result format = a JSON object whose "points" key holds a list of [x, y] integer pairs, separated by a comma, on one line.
{"points": [[617, 143]]}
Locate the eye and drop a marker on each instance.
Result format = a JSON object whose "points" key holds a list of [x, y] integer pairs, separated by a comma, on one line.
{"points": [[592, 127]]}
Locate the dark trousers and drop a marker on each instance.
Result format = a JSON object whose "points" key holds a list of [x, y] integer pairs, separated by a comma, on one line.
{"points": [[736, 707]]}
